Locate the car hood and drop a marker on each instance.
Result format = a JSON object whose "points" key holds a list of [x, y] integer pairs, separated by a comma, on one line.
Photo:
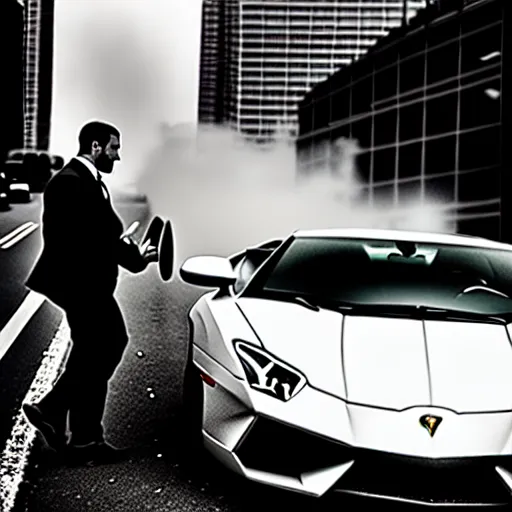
{"points": [[392, 363]]}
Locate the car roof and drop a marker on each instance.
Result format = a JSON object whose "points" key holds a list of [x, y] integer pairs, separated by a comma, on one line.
{"points": [[403, 235]]}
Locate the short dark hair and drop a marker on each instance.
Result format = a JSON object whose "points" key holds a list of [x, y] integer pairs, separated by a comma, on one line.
{"points": [[95, 131]]}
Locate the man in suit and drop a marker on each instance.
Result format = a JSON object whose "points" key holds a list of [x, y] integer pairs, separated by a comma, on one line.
{"points": [[78, 271]]}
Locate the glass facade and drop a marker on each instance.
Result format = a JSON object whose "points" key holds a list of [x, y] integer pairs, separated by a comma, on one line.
{"points": [[219, 63], [12, 78], [426, 108], [280, 49], [38, 71]]}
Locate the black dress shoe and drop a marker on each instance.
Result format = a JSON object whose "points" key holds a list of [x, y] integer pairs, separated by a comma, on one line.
{"points": [[95, 453], [54, 437]]}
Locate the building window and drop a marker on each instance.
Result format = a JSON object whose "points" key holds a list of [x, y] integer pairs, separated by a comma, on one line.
{"points": [[363, 163], [250, 102], [412, 45], [411, 121], [385, 128], [479, 185], [408, 190], [384, 164], [340, 132], [493, 71], [363, 69], [479, 50], [340, 79], [443, 32], [362, 96], [384, 194], [386, 57], [386, 83], [340, 104], [488, 13], [322, 113], [320, 150], [446, 86], [412, 73], [480, 104], [304, 155], [409, 160], [443, 63], [306, 119], [440, 189], [442, 114], [480, 148], [488, 227], [440, 155], [362, 132]]}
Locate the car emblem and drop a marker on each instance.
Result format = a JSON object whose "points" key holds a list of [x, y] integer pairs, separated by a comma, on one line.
{"points": [[430, 423]]}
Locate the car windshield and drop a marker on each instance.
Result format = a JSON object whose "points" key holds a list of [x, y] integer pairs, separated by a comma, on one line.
{"points": [[378, 272]]}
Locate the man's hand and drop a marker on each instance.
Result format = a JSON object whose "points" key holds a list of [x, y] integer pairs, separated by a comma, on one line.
{"points": [[142, 256], [149, 252]]}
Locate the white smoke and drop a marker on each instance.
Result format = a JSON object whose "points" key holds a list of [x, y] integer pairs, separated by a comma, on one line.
{"points": [[136, 64], [222, 193]]}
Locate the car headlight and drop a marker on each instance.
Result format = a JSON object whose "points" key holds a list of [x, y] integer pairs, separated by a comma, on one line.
{"points": [[268, 375]]}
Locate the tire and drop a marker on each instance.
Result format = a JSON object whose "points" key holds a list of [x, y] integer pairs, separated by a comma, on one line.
{"points": [[192, 448], [193, 399]]}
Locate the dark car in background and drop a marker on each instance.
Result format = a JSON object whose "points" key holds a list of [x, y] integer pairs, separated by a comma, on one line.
{"points": [[26, 171], [4, 192]]}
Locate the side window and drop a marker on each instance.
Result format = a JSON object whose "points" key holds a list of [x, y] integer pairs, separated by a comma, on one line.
{"points": [[252, 260], [244, 269]]}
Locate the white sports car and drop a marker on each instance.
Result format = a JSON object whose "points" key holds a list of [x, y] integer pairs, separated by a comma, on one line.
{"points": [[371, 362]]}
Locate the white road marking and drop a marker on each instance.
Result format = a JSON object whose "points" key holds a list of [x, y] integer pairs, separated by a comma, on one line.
{"points": [[14, 458], [19, 320], [20, 236], [14, 232]]}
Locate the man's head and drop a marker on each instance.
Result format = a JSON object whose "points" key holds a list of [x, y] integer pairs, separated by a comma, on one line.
{"points": [[100, 142]]}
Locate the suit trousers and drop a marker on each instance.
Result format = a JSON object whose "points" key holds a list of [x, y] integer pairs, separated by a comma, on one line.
{"points": [[99, 338]]}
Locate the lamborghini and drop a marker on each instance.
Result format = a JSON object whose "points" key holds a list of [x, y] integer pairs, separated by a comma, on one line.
{"points": [[374, 363]]}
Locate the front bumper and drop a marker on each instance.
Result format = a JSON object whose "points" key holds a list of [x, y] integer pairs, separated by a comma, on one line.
{"points": [[283, 456], [261, 444]]}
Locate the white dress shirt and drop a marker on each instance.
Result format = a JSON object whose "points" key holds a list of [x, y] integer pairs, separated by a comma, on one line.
{"points": [[93, 170]]}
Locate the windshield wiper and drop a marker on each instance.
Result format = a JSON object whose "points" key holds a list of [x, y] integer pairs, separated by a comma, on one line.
{"points": [[303, 302], [396, 310], [422, 311], [457, 314], [318, 304]]}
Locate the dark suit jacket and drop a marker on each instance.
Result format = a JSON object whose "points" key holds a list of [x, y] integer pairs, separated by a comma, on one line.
{"points": [[81, 240]]}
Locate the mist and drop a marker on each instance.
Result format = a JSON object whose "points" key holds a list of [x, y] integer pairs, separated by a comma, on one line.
{"points": [[222, 193], [136, 64], [127, 62]]}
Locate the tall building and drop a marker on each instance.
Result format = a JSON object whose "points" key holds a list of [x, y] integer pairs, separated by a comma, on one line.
{"points": [[259, 57], [428, 106], [12, 77], [38, 63]]}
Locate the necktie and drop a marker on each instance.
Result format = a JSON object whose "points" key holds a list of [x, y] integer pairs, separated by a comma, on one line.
{"points": [[103, 187]]}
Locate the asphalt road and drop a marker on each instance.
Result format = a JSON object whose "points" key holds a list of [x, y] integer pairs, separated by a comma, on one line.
{"points": [[20, 360], [143, 408], [143, 411], [16, 260]]}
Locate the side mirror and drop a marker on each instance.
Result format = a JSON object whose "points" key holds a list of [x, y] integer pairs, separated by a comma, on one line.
{"points": [[208, 271]]}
